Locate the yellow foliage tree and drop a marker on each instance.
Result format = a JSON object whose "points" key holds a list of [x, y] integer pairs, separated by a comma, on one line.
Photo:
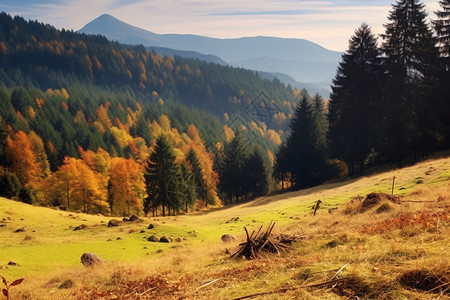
{"points": [[37, 146], [127, 186], [88, 192], [22, 159]]}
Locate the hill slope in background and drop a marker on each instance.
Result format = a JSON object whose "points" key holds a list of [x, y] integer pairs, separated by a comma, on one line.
{"points": [[95, 72], [301, 59]]}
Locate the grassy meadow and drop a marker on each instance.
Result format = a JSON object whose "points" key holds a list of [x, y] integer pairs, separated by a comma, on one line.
{"points": [[372, 254]]}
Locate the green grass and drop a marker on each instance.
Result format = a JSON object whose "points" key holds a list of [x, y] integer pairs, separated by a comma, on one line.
{"points": [[54, 245]]}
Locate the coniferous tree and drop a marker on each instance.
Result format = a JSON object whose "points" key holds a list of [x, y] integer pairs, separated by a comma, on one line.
{"points": [[354, 104], [442, 107], [256, 181], [188, 187], [231, 175], [197, 174], [302, 152], [320, 119], [410, 59], [282, 171], [162, 178]]}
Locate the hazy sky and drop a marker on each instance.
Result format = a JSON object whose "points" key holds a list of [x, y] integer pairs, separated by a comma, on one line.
{"points": [[329, 23]]}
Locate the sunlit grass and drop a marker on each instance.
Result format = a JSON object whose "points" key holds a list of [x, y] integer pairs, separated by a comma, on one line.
{"points": [[334, 239]]}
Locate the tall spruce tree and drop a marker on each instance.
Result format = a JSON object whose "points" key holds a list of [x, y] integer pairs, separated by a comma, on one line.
{"points": [[232, 175], [303, 155], [256, 181], [410, 60], [162, 178], [282, 171], [442, 107], [354, 105], [187, 187], [197, 174], [320, 118]]}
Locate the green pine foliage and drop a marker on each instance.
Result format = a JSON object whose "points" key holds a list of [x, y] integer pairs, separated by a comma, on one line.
{"points": [[162, 179], [355, 101], [410, 60]]}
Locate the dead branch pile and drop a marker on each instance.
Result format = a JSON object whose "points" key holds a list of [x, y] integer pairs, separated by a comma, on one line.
{"points": [[263, 241]]}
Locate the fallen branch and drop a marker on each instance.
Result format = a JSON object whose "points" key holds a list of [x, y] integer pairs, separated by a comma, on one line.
{"points": [[208, 283], [418, 201], [340, 270]]}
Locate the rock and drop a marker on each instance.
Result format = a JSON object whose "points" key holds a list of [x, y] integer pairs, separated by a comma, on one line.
{"points": [[178, 240], [153, 238], [142, 231], [11, 263], [151, 226], [28, 238], [125, 220], [91, 260], [21, 229], [114, 222], [118, 239], [80, 227], [66, 284], [227, 238], [134, 218], [164, 239]]}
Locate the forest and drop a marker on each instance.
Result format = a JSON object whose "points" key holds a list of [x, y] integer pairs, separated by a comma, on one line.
{"points": [[95, 126], [390, 101], [79, 104]]}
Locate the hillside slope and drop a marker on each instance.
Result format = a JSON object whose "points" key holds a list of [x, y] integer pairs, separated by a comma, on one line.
{"points": [[49, 242]]}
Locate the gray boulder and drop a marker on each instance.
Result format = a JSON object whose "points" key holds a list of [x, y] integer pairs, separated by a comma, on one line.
{"points": [[228, 238], [91, 260], [153, 238], [114, 223], [164, 239]]}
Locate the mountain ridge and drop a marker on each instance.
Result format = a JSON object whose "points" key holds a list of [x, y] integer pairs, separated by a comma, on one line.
{"points": [[296, 52]]}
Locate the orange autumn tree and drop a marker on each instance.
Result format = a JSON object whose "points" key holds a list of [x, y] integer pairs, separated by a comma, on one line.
{"points": [[127, 186], [37, 146], [88, 192], [60, 185], [22, 159]]}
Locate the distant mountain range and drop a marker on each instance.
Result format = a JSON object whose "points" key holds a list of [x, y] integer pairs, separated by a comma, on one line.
{"points": [[302, 60]]}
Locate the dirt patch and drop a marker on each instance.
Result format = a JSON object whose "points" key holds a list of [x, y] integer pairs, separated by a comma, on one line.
{"points": [[437, 282]]}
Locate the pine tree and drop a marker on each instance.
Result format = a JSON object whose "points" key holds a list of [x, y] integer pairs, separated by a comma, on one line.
{"points": [[442, 27], [305, 160], [282, 171], [188, 187], [162, 178], [197, 174], [231, 176], [442, 106], [256, 181], [410, 59], [320, 119], [354, 104]]}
